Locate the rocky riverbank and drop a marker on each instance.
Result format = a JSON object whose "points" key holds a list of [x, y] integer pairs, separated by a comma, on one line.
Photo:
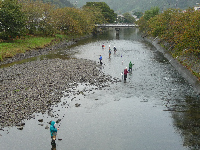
{"points": [[35, 86]]}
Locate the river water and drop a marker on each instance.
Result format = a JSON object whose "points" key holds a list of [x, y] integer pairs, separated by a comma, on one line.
{"points": [[133, 115]]}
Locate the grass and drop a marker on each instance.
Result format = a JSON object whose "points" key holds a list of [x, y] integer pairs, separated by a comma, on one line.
{"points": [[10, 49], [13, 47]]}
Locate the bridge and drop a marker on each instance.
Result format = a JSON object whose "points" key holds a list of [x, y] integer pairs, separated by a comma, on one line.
{"points": [[116, 25]]}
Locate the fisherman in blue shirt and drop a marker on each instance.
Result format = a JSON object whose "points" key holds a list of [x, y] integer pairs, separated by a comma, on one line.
{"points": [[100, 58]]}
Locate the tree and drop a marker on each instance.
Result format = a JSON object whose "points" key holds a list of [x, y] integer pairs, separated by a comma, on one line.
{"points": [[12, 19], [39, 17], [151, 13], [138, 14], [108, 13], [96, 17], [128, 18]]}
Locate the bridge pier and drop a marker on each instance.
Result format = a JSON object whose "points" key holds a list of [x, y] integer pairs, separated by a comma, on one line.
{"points": [[117, 32]]}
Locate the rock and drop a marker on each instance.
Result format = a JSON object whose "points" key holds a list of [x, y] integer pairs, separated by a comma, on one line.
{"points": [[20, 128], [47, 127], [20, 124], [57, 121], [77, 105], [40, 120]]}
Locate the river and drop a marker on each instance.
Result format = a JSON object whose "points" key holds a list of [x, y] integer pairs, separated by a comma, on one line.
{"points": [[138, 114]]}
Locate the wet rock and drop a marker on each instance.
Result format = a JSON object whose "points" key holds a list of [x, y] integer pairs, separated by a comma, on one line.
{"points": [[77, 105], [57, 121], [40, 120], [20, 128], [46, 127], [20, 124]]}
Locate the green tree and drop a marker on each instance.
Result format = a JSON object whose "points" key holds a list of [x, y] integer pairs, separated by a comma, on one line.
{"points": [[128, 18], [39, 17], [108, 13], [151, 13], [12, 19], [96, 17], [138, 14]]}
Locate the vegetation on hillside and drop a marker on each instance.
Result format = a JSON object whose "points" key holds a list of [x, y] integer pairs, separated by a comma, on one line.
{"points": [[179, 32], [121, 7]]}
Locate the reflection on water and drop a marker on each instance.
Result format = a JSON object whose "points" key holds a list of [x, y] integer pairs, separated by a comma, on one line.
{"points": [[187, 120]]}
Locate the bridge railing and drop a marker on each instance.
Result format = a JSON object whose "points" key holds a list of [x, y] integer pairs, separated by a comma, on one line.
{"points": [[116, 25]]}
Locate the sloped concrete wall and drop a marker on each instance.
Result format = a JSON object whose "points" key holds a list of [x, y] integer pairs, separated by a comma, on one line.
{"points": [[193, 80]]}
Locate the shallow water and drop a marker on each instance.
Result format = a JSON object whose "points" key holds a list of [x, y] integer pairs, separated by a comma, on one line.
{"points": [[125, 115]]}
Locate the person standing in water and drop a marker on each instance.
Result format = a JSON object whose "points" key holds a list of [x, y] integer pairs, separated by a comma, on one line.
{"points": [[100, 58], [109, 51], [115, 49], [125, 73], [130, 66], [53, 132]]}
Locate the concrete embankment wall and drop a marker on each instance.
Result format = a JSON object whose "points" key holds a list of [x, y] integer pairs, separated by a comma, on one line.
{"points": [[193, 80]]}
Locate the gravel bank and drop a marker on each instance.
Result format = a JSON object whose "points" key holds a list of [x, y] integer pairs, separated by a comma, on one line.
{"points": [[35, 86]]}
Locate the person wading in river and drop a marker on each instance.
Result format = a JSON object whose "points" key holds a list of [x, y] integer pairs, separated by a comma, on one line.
{"points": [[109, 51], [100, 58], [115, 49], [130, 66], [53, 132], [125, 73]]}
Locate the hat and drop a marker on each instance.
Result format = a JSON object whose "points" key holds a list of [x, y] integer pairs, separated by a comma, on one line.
{"points": [[126, 67]]}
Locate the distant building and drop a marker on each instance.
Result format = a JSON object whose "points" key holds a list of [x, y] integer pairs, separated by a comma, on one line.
{"points": [[120, 18], [135, 17], [197, 8]]}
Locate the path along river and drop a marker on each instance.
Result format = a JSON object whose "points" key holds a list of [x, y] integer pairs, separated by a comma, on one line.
{"points": [[138, 114]]}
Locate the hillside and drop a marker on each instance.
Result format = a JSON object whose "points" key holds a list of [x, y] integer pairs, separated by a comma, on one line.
{"points": [[120, 6]]}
